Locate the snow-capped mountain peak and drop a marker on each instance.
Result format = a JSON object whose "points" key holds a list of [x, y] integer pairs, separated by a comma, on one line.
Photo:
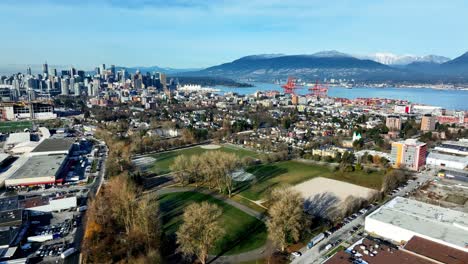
{"points": [[394, 59]]}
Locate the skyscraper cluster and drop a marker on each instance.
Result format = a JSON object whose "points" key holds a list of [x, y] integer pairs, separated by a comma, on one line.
{"points": [[72, 82]]}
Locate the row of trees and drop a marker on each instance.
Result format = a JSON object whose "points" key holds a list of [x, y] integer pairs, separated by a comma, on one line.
{"points": [[122, 225], [119, 156], [212, 169]]}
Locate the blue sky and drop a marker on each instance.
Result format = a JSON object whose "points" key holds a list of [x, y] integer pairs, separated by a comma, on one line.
{"points": [[190, 33]]}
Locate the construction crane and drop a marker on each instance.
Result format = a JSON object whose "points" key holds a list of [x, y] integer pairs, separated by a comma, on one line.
{"points": [[290, 86], [319, 90]]}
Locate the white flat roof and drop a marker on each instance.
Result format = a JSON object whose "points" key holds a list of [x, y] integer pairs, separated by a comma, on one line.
{"points": [[15, 138], [39, 166], [433, 221], [462, 143], [447, 157]]}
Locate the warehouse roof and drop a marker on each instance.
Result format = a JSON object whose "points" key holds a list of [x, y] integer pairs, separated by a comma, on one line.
{"points": [[447, 157], [381, 254], [429, 220], [436, 251], [54, 144], [39, 166], [456, 145], [15, 138]]}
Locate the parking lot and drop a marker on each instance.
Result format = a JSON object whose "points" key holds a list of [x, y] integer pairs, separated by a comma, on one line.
{"points": [[51, 251]]}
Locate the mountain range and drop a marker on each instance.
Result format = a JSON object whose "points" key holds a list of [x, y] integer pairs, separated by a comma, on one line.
{"points": [[152, 69], [338, 65], [393, 59], [325, 64]]}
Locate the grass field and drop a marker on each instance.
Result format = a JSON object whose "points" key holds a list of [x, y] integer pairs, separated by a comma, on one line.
{"points": [[14, 126], [242, 231], [269, 176], [165, 160]]}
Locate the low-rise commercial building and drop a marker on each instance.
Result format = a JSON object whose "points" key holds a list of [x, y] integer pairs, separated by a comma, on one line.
{"points": [[454, 147], [401, 219], [53, 146], [22, 111], [447, 160], [37, 170]]}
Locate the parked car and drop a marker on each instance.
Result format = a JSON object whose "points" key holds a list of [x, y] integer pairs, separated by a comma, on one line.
{"points": [[296, 254]]}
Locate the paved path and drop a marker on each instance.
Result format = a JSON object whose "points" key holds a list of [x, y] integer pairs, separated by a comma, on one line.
{"points": [[214, 194], [224, 259], [242, 257]]}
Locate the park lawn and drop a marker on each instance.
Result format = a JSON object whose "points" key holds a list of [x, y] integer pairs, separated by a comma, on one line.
{"points": [[165, 160], [242, 231], [14, 126], [273, 175]]}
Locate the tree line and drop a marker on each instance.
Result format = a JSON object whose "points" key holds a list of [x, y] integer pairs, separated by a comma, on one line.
{"points": [[212, 169], [122, 225]]}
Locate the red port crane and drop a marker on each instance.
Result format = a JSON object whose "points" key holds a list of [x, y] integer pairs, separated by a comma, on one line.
{"points": [[290, 86], [319, 90]]}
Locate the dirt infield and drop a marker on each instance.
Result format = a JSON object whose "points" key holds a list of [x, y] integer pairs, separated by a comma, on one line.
{"points": [[210, 146], [322, 193]]}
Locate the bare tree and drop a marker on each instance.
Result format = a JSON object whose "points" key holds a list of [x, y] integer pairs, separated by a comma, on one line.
{"points": [[212, 168], [200, 230], [392, 179], [181, 169], [121, 221], [287, 218]]}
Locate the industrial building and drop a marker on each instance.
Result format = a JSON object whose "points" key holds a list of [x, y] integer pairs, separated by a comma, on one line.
{"points": [[52, 146], [417, 251], [454, 147], [403, 109], [447, 160], [401, 219], [435, 251], [46, 204], [409, 154], [37, 170], [23, 110], [454, 174]]}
